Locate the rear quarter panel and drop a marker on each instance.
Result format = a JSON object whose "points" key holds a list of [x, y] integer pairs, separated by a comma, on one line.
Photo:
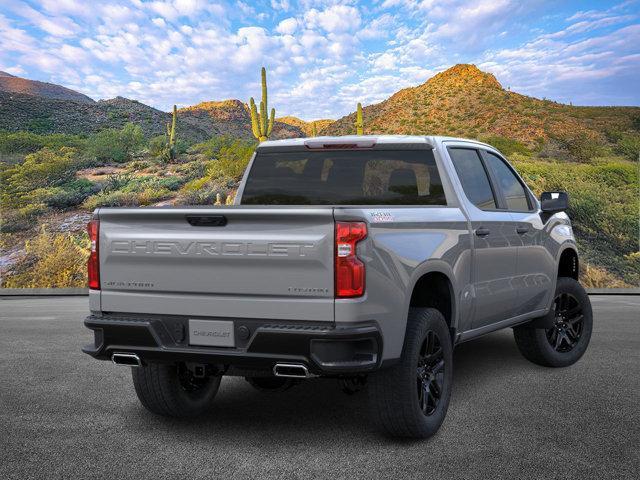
{"points": [[403, 244]]}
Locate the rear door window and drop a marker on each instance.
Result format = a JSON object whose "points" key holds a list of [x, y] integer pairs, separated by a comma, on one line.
{"points": [[473, 177], [357, 177]]}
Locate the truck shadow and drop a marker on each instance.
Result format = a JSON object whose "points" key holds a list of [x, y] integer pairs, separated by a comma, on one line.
{"points": [[317, 409]]}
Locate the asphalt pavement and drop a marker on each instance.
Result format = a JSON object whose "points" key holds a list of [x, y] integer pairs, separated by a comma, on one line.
{"points": [[65, 415]]}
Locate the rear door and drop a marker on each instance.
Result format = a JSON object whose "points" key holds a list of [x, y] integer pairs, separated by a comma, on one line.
{"points": [[494, 257], [241, 262]]}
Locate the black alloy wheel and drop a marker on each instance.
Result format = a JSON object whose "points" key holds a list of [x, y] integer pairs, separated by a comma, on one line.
{"points": [[430, 373], [569, 322]]}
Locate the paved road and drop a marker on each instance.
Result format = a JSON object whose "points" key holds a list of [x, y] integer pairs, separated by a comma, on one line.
{"points": [[65, 415]]}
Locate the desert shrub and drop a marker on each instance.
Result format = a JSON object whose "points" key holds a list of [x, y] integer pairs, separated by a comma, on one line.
{"points": [[207, 195], [116, 182], [629, 146], [507, 146], [42, 169], [68, 195], [594, 277], [111, 199], [116, 145], [157, 145], [119, 198], [580, 146], [19, 219], [51, 261], [233, 160], [213, 147], [28, 142], [171, 183]]}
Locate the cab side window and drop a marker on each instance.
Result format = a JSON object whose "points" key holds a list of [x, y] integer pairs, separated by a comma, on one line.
{"points": [[512, 189], [474, 178]]}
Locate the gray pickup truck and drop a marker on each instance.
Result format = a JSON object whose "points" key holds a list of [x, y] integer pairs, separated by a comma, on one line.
{"points": [[366, 259]]}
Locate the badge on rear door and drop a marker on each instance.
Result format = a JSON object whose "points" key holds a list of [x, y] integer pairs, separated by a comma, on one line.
{"points": [[211, 333]]}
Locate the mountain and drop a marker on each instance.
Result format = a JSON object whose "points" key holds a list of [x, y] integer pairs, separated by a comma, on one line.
{"points": [[48, 108], [16, 85], [231, 117], [464, 101], [304, 126]]}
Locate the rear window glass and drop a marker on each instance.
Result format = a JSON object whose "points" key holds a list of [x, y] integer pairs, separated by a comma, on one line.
{"points": [[357, 177]]}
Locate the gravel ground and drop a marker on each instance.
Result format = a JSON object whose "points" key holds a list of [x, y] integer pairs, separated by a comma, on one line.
{"points": [[65, 415]]}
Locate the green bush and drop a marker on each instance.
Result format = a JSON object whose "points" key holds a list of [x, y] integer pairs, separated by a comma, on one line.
{"points": [[24, 218], [126, 199], [507, 146], [157, 145], [44, 169], [53, 260], [581, 146], [629, 146], [28, 142], [68, 195], [116, 145]]}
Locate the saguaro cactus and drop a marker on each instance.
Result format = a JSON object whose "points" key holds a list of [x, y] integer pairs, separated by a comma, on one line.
{"points": [[359, 125], [314, 130], [260, 124], [171, 135]]}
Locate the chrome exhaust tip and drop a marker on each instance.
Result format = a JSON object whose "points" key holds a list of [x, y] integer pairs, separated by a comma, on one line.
{"points": [[126, 359], [291, 370]]}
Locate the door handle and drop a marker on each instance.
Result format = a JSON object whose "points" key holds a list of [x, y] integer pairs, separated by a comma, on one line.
{"points": [[522, 230], [482, 232]]}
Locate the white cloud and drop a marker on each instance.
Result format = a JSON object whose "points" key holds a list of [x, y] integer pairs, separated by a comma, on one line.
{"points": [[335, 19], [159, 22], [287, 26]]}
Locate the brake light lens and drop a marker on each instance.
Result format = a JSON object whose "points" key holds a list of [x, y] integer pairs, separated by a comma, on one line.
{"points": [[349, 269], [93, 264]]}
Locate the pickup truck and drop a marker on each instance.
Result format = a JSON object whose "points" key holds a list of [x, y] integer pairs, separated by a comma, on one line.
{"points": [[361, 258]]}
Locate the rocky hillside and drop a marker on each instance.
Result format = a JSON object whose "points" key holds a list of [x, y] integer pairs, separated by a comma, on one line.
{"points": [[464, 101], [306, 127], [47, 108], [231, 117], [12, 84]]}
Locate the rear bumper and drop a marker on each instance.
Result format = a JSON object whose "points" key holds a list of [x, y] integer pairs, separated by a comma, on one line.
{"points": [[325, 349]]}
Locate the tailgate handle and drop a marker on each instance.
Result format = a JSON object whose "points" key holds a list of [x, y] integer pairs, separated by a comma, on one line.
{"points": [[207, 220]]}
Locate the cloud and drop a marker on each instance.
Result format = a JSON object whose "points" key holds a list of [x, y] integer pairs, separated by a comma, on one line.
{"points": [[322, 56], [287, 26], [335, 19]]}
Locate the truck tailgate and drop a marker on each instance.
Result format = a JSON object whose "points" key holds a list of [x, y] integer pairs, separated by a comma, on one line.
{"points": [[274, 263]]}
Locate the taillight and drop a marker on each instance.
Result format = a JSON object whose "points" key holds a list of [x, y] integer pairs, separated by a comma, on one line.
{"points": [[350, 271], [93, 264]]}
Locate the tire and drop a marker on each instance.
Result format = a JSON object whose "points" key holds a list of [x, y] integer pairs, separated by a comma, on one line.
{"points": [[171, 390], [271, 384], [564, 343], [396, 393]]}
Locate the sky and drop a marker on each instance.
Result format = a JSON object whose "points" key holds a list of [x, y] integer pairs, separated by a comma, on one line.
{"points": [[322, 56]]}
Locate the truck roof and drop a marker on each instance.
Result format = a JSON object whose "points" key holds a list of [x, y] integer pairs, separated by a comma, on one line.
{"points": [[365, 140]]}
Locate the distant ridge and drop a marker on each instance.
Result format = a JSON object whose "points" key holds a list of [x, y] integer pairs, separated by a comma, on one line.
{"points": [[12, 84]]}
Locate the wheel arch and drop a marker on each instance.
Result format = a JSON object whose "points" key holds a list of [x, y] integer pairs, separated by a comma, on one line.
{"points": [[568, 263], [434, 286]]}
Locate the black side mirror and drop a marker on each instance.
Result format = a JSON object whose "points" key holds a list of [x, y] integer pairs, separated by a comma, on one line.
{"points": [[552, 202]]}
